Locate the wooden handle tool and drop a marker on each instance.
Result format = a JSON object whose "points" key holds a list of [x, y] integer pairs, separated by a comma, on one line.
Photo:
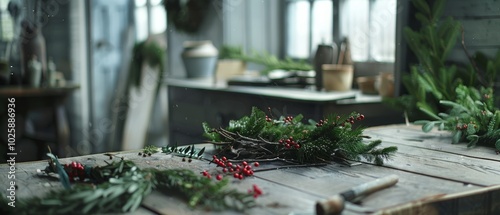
{"points": [[336, 204]]}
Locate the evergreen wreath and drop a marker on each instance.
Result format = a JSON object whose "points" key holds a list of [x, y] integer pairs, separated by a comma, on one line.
{"points": [[261, 137], [121, 186]]}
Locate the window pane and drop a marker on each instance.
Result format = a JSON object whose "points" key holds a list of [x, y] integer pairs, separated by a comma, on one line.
{"points": [[141, 23], [158, 19], [322, 23], [298, 29], [354, 24], [140, 3], [383, 30], [156, 2]]}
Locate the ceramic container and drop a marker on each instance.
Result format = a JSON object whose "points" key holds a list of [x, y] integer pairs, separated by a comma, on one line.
{"points": [[325, 54], [200, 58], [385, 84], [366, 84], [337, 77]]}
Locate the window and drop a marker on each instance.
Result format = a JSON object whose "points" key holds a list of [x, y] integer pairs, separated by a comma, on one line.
{"points": [[309, 23], [369, 24], [6, 30], [150, 18]]}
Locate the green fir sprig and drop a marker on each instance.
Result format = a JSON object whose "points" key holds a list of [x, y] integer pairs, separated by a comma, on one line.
{"points": [[471, 118], [259, 136], [121, 187]]}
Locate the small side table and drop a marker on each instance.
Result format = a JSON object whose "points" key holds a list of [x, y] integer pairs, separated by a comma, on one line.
{"points": [[30, 99]]}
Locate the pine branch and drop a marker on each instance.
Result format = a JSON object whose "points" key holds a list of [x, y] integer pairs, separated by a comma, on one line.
{"points": [[258, 136]]}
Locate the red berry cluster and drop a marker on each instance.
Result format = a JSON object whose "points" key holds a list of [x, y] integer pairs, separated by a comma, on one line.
{"points": [[289, 143], [75, 171], [268, 119], [288, 119], [239, 171], [207, 174], [464, 126], [322, 122], [256, 191], [351, 118]]}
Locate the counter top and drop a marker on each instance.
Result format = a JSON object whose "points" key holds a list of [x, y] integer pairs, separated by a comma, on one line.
{"points": [[341, 97]]}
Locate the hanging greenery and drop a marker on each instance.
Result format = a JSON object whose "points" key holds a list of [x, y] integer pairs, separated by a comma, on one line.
{"points": [[187, 15], [148, 52], [260, 136], [121, 187]]}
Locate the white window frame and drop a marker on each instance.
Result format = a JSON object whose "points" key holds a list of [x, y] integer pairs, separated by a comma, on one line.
{"points": [[364, 66]]}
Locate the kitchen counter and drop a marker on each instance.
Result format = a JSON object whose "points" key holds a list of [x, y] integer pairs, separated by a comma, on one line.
{"points": [[192, 102]]}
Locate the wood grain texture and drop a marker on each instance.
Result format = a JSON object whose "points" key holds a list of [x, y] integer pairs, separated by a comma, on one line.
{"points": [[428, 166], [472, 9]]}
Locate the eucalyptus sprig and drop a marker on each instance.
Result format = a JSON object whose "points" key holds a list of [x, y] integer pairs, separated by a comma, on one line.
{"points": [[122, 186], [258, 136]]}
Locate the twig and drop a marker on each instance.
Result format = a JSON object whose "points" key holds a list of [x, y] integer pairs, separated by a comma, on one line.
{"points": [[290, 166]]}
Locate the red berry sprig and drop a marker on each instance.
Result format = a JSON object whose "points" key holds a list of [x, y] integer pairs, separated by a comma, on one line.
{"points": [[322, 122], [239, 171], [288, 119], [268, 119], [75, 171], [289, 143], [256, 191]]}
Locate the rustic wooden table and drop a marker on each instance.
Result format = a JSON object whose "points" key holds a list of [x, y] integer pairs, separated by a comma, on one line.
{"points": [[435, 177]]}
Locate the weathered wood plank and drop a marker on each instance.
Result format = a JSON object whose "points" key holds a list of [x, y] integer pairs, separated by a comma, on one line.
{"points": [[479, 201], [472, 9], [458, 56], [481, 32], [413, 136], [436, 163], [335, 178], [275, 200]]}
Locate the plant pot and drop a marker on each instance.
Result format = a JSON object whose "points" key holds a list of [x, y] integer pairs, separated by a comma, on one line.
{"points": [[227, 68], [385, 84], [199, 59], [337, 77], [366, 84]]}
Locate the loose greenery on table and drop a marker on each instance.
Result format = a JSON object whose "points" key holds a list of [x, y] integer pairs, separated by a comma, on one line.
{"points": [[121, 186], [270, 61], [260, 136], [472, 118]]}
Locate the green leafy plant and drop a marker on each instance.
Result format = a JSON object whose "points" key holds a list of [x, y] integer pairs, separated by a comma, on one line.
{"points": [[259, 136], [187, 15], [148, 52], [121, 186], [431, 79], [271, 62], [472, 118]]}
